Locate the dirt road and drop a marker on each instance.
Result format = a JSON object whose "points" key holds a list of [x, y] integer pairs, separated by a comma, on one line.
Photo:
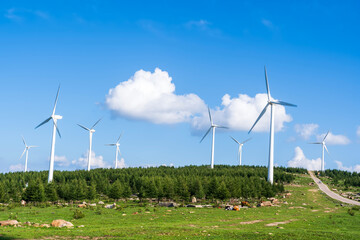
{"points": [[330, 193]]}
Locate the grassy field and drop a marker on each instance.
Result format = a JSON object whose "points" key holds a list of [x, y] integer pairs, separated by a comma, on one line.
{"points": [[309, 215]]}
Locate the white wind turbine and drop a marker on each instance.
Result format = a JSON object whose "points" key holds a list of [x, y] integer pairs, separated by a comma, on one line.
{"points": [[26, 150], [272, 104], [55, 129], [240, 148], [91, 131], [323, 147], [117, 144], [212, 127]]}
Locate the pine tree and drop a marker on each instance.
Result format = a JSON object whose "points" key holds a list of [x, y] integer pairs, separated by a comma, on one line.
{"points": [[91, 192], [50, 192], [115, 190], [4, 197]]}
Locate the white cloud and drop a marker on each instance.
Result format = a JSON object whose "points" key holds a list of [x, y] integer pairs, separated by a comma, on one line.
{"points": [[121, 163], [202, 24], [17, 168], [358, 131], [267, 23], [306, 130], [151, 97], [240, 114], [10, 14], [350, 169], [333, 139], [300, 161], [61, 161], [96, 161]]}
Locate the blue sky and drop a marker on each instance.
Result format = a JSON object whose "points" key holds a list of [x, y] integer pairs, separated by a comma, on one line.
{"points": [[209, 49]]}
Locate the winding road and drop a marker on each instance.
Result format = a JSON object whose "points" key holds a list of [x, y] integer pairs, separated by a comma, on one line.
{"points": [[330, 193]]}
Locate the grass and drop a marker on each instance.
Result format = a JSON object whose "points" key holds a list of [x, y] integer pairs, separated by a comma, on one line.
{"points": [[314, 216]]}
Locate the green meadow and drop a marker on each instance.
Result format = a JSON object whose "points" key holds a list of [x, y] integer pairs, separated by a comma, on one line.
{"points": [[309, 214]]}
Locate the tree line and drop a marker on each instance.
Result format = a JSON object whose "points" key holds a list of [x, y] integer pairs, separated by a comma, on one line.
{"points": [[346, 178], [180, 183]]}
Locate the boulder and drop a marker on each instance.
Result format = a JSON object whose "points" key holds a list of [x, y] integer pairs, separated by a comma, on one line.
{"points": [[266, 204], [61, 223], [101, 202], [193, 200], [110, 206], [45, 225], [23, 202], [288, 194], [9, 223], [168, 204], [92, 204], [82, 205], [27, 223]]}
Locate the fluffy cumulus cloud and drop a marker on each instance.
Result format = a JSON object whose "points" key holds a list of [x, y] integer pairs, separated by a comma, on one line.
{"points": [[333, 139], [340, 166], [306, 130], [151, 97], [17, 168], [121, 163], [300, 161], [241, 112], [96, 161], [61, 161]]}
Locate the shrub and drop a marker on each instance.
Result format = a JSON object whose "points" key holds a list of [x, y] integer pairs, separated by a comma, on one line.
{"points": [[351, 212], [78, 214]]}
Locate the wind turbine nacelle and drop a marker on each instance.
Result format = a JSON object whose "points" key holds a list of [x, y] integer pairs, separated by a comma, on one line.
{"points": [[57, 117], [92, 130]]}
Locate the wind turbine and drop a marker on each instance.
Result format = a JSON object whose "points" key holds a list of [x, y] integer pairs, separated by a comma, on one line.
{"points": [[272, 104], [240, 147], [212, 127], [55, 129], [117, 144], [26, 150], [91, 131], [323, 147]]}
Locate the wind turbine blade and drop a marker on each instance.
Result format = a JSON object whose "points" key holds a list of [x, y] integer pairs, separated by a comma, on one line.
{"points": [[267, 85], [22, 154], [110, 144], [210, 116], [84, 127], [326, 135], [119, 137], [219, 126], [261, 114], [246, 140], [315, 143], [23, 140], [206, 134], [56, 99], [32, 146], [57, 129], [326, 149], [95, 123], [48, 119], [235, 140], [285, 103]]}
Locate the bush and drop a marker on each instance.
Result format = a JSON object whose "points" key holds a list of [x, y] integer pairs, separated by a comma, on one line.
{"points": [[78, 214], [351, 212], [13, 216]]}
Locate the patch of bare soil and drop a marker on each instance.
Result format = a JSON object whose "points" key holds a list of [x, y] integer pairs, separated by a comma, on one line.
{"points": [[251, 222], [313, 190], [274, 224]]}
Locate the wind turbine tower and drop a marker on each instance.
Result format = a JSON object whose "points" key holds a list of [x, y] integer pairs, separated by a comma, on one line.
{"points": [[240, 147], [55, 129], [117, 144], [26, 150], [272, 103], [323, 148], [212, 127], [91, 131]]}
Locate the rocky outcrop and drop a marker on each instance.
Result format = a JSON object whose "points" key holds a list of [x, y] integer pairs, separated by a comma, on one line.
{"points": [[9, 223], [61, 223]]}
